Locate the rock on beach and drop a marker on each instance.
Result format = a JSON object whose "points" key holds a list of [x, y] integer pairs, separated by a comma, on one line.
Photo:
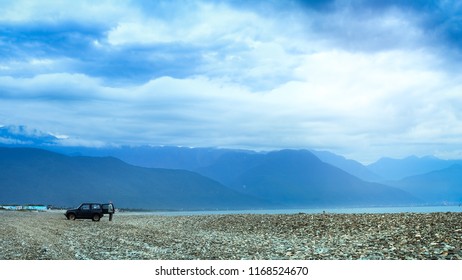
{"points": [[48, 235]]}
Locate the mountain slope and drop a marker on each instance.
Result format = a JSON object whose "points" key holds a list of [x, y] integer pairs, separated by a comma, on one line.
{"points": [[38, 176], [152, 156], [353, 167], [441, 186], [298, 178], [396, 169], [231, 165]]}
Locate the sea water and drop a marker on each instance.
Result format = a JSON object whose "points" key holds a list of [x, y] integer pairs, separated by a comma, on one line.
{"points": [[353, 210]]}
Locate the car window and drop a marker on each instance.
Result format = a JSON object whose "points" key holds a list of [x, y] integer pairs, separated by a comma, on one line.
{"points": [[96, 206], [85, 207]]}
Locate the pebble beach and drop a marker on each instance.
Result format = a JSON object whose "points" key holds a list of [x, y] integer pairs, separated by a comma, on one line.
{"points": [[414, 236]]}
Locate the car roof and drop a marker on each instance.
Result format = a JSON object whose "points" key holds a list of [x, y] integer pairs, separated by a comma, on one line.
{"points": [[95, 203]]}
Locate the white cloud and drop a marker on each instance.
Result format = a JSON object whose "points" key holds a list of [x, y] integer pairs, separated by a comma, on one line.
{"points": [[58, 86], [199, 24], [241, 46], [33, 66], [103, 12], [364, 85], [342, 101], [369, 31]]}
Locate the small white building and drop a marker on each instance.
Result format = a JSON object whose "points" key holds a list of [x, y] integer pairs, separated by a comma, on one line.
{"points": [[24, 207]]}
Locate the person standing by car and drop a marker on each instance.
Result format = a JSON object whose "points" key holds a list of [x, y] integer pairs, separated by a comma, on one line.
{"points": [[110, 211]]}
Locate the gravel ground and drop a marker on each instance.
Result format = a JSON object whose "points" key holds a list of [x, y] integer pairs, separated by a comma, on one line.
{"points": [[48, 235]]}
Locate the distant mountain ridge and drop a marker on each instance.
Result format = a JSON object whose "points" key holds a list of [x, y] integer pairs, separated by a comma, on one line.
{"points": [[435, 187], [234, 168], [299, 178], [286, 178], [396, 169], [37, 176], [351, 166]]}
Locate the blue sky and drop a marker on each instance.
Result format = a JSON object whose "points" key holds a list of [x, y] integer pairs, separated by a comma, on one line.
{"points": [[363, 79]]}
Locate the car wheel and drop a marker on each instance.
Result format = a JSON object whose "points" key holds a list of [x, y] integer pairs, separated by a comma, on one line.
{"points": [[96, 218], [71, 217]]}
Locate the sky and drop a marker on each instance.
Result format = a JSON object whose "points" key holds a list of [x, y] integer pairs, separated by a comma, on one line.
{"points": [[363, 79]]}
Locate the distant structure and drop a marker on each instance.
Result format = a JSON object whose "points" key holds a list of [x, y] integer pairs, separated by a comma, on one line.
{"points": [[25, 207]]}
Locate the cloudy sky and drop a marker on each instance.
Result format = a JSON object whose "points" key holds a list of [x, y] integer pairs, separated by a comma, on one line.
{"points": [[363, 79]]}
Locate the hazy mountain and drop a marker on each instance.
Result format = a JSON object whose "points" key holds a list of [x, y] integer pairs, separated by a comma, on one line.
{"points": [[395, 169], [351, 166], [230, 165], [298, 178], [289, 177], [286, 178], [220, 164], [153, 156], [437, 187], [39, 176], [213, 162], [144, 156]]}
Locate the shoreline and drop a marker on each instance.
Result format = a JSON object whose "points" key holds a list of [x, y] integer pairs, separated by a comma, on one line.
{"points": [[330, 236], [289, 211]]}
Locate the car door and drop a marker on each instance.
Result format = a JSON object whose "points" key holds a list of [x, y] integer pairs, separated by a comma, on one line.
{"points": [[108, 208], [96, 209], [84, 211]]}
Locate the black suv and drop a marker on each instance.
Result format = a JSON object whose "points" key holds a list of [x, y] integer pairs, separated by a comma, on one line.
{"points": [[94, 211]]}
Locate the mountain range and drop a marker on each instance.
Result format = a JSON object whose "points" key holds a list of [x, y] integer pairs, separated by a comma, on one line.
{"points": [[299, 179], [37, 176], [436, 187], [287, 178], [150, 177], [396, 169]]}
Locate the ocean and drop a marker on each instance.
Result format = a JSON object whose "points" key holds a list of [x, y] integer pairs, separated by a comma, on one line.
{"points": [[352, 210]]}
